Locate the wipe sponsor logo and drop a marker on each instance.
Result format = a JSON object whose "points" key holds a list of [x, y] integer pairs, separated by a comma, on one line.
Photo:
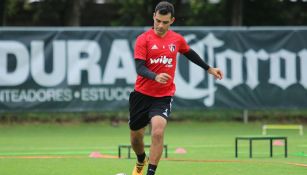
{"points": [[162, 60]]}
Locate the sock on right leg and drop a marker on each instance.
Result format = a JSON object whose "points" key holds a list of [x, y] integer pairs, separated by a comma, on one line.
{"points": [[151, 169]]}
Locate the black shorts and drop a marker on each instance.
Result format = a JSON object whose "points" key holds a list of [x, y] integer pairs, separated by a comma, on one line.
{"points": [[143, 107]]}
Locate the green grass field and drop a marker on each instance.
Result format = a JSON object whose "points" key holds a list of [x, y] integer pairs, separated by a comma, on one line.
{"points": [[64, 149]]}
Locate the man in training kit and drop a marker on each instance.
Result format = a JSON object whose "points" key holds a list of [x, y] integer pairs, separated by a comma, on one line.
{"points": [[155, 58]]}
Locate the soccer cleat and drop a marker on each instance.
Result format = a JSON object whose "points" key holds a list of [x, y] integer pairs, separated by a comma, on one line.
{"points": [[139, 168]]}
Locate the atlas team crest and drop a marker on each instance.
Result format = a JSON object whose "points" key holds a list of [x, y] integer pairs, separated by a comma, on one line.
{"points": [[172, 47]]}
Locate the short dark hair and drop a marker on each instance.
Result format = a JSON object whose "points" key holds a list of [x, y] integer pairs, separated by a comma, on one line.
{"points": [[164, 8]]}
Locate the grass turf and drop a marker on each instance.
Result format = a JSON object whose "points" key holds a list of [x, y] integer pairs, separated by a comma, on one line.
{"points": [[209, 145]]}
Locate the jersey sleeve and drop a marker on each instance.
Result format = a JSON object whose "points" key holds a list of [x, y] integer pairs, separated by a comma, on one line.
{"points": [[140, 50], [184, 47]]}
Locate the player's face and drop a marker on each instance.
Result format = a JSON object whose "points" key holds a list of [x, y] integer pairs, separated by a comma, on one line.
{"points": [[162, 23]]}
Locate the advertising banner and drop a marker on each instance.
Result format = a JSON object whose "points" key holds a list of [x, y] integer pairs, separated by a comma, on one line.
{"points": [[92, 69]]}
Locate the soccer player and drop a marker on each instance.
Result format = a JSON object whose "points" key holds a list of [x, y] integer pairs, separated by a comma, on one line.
{"points": [[155, 57]]}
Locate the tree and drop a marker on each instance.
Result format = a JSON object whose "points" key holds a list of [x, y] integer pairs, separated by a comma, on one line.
{"points": [[42, 13], [235, 12], [2, 12], [73, 12], [204, 13], [274, 13], [139, 13], [59, 12]]}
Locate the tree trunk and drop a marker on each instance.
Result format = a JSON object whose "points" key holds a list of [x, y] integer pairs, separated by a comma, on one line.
{"points": [[73, 13], [2, 13], [236, 13]]}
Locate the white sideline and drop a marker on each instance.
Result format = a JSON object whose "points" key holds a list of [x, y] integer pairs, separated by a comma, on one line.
{"points": [[277, 126]]}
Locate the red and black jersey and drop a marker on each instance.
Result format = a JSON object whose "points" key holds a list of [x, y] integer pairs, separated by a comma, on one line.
{"points": [[160, 54]]}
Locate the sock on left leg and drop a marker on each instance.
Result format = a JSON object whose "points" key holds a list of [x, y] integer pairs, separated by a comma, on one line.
{"points": [[141, 157]]}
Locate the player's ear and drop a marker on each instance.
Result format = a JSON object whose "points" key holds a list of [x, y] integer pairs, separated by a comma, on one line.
{"points": [[154, 14], [172, 20]]}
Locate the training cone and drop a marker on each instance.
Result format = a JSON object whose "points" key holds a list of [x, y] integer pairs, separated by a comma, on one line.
{"points": [[180, 151], [95, 155], [278, 143]]}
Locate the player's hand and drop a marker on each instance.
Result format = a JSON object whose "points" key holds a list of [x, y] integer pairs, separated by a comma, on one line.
{"points": [[216, 72], [162, 78]]}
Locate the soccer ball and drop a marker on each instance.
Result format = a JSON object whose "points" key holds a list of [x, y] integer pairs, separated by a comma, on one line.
{"points": [[121, 174]]}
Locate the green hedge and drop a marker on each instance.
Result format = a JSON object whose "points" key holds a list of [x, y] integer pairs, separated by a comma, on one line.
{"points": [[271, 115]]}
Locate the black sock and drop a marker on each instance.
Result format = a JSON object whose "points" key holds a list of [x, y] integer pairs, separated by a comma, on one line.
{"points": [[151, 169], [141, 157]]}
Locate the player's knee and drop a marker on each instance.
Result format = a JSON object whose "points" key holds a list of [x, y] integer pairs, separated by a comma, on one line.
{"points": [[157, 133]]}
